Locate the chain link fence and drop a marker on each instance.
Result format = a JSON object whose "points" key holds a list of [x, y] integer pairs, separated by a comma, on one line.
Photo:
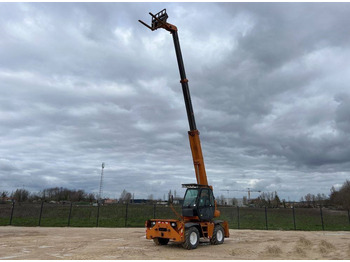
{"points": [[135, 215]]}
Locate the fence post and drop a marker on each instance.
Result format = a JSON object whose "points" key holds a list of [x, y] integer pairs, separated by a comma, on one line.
{"points": [[267, 228], [321, 217], [98, 213], [233, 214], [126, 214], [238, 217], [70, 213], [154, 211], [41, 211], [295, 227], [13, 208], [349, 215]]}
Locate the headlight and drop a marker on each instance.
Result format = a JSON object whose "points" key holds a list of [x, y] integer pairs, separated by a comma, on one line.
{"points": [[153, 223], [173, 224]]}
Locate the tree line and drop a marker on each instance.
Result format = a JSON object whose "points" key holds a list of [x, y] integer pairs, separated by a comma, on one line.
{"points": [[338, 198], [57, 194], [341, 197]]}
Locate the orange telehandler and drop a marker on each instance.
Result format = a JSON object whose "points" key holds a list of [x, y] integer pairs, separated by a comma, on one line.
{"points": [[199, 206]]}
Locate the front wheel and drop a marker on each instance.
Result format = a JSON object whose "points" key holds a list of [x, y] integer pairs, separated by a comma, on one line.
{"points": [[161, 241], [191, 238], [218, 235]]}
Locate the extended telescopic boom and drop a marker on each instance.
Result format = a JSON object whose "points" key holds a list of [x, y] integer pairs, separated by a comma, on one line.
{"points": [[159, 21]]}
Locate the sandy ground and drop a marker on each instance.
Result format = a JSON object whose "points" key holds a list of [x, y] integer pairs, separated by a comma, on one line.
{"points": [[130, 243]]}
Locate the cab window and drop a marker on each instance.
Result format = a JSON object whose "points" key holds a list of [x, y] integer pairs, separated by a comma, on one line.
{"points": [[212, 203], [204, 199], [190, 197]]}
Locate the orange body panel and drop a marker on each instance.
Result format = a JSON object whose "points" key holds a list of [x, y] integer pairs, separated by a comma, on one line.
{"points": [[163, 229], [197, 157], [226, 228], [198, 162], [216, 212]]}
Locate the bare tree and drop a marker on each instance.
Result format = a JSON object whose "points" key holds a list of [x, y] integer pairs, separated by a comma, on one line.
{"points": [[234, 201], [308, 200], [222, 200], [245, 200], [20, 195], [169, 194], [4, 195], [267, 199], [91, 197], [276, 201], [128, 197], [35, 197], [125, 197], [341, 197]]}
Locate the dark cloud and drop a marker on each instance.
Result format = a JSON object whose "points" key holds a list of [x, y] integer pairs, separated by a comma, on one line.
{"points": [[85, 83]]}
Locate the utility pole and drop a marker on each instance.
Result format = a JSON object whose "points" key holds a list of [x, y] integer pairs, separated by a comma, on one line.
{"points": [[101, 180]]}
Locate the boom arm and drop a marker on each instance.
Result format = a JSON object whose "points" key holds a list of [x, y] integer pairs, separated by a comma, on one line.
{"points": [[159, 21]]}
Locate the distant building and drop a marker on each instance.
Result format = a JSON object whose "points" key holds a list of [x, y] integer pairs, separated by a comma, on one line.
{"points": [[178, 201], [110, 201], [162, 202], [229, 202], [6, 199], [240, 202], [141, 201]]}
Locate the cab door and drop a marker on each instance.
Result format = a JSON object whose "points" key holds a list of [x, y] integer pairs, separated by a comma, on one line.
{"points": [[206, 206]]}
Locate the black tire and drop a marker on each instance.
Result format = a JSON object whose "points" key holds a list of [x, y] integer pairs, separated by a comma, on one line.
{"points": [[191, 238], [218, 235], [161, 241]]}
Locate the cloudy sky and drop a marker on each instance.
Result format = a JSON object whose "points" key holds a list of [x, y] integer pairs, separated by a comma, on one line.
{"points": [[85, 83]]}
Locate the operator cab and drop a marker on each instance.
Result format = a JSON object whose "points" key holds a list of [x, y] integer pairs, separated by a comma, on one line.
{"points": [[199, 201]]}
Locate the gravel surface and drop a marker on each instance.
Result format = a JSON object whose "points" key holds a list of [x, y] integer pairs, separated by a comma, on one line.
{"points": [[130, 243]]}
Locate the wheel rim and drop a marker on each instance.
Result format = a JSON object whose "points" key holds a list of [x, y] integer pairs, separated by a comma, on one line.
{"points": [[219, 235], [193, 238]]}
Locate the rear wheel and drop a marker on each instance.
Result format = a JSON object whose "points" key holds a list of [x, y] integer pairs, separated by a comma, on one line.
{"points": [[191, 238], [161, 241], [218, 235]]}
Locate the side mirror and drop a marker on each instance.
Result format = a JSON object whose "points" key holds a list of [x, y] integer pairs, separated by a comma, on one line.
{"points": [[171, 199]]}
